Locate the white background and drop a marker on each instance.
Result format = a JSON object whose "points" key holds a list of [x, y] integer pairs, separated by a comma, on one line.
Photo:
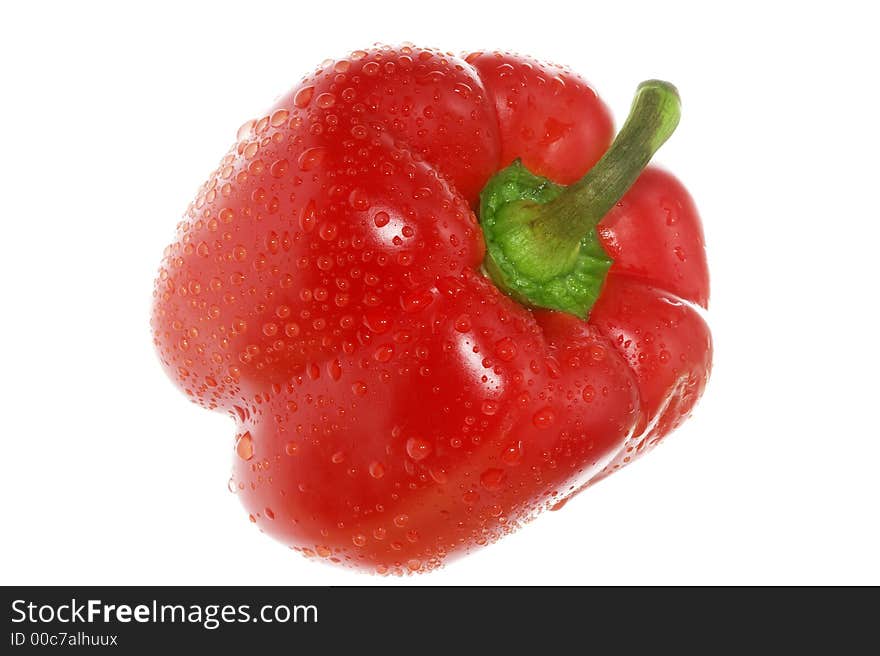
{"points": [[112, 117]]}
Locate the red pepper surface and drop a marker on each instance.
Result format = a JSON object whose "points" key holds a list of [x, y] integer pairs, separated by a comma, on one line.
{"points": [[327, 290]]}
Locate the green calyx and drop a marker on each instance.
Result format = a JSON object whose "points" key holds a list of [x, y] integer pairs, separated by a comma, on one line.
{"points": [[541, 241], [551, 275]]}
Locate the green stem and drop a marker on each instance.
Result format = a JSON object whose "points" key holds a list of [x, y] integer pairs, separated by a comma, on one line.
{"points": [[560, 224], [541, 242]]}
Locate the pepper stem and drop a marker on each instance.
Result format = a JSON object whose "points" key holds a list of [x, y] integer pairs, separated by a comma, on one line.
{"points": [[541, 241], [560, 224]]}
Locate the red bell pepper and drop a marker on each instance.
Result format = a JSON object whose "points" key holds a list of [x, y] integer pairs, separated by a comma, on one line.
{"points": [[409, 383]]}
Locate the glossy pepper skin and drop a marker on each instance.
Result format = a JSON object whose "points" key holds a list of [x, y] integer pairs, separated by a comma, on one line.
{"points": [[394, 408]]}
